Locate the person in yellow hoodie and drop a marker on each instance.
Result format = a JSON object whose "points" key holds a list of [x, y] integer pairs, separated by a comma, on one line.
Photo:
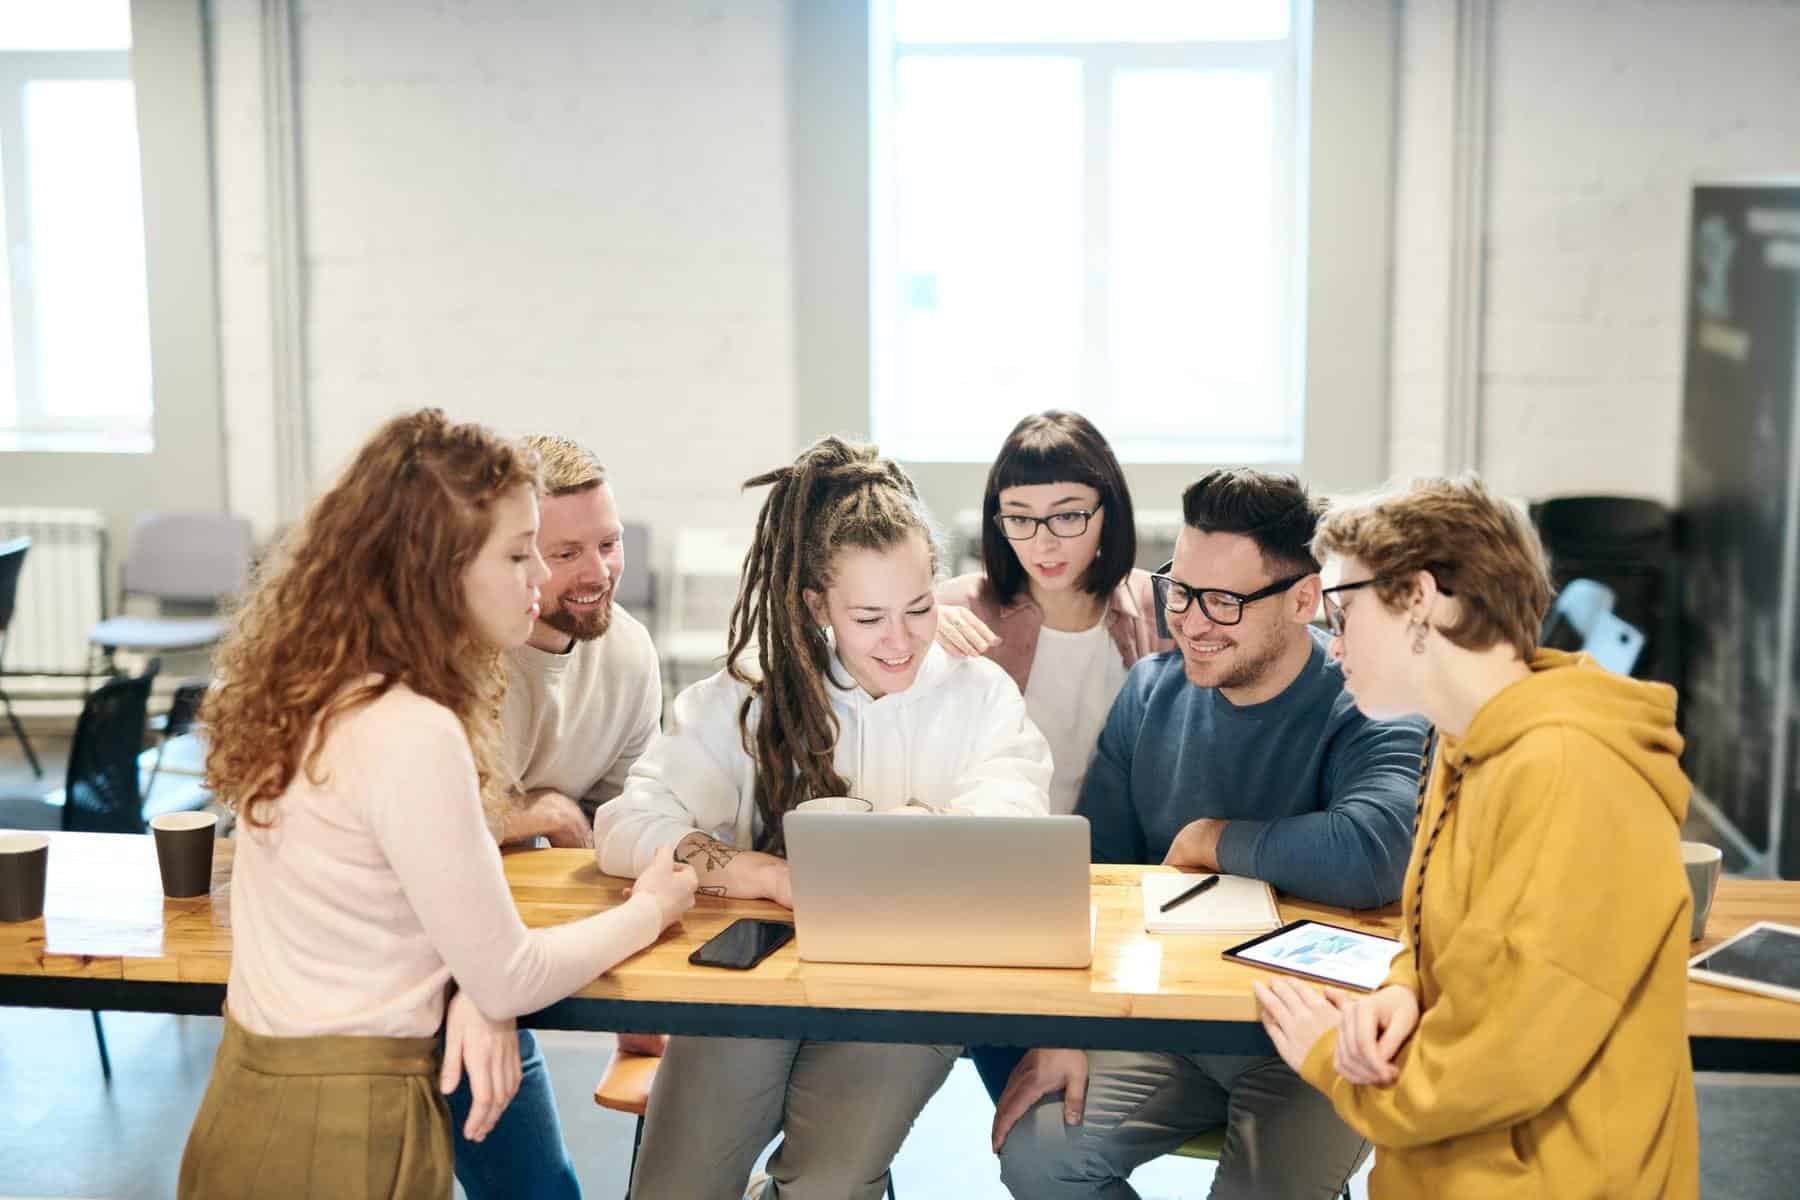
{"points": [[1530, 1038]]}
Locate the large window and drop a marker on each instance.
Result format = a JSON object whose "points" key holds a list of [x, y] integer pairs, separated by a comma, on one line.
{"points": [[74, 316], [1089, 206]]}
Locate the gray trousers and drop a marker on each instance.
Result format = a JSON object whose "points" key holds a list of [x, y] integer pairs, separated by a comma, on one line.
{"points": [[842, 1109], [1282, 1139]]}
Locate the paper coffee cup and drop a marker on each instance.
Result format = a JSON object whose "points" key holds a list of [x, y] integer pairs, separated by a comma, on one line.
{"points": [[1703, 863], [24, 864], [184, 850]]}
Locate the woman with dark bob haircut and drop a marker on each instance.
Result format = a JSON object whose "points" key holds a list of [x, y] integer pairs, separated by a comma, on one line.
{"points": [[1530, 1038], [1057, 602]]}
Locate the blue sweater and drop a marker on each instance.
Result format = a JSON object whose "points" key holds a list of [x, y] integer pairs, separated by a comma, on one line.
{"points": [[1320, 798]]}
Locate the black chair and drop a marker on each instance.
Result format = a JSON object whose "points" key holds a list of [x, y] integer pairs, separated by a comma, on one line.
{"points": [[101, 793], [12, 562], [184, 711], [1628, 545]]}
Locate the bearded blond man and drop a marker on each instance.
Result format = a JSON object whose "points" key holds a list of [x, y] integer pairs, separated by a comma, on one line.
{"points": [[584, 696], [583, 702]]}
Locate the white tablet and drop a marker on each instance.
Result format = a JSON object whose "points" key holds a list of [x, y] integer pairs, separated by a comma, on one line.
{"points": [[1764, 958], [1331, 954]]}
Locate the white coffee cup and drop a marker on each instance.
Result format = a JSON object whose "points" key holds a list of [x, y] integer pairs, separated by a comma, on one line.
{"points": [[836, 804], [1703, 864]]}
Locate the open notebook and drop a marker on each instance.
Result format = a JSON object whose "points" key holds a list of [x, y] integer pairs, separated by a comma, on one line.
{"points": [[1236, 904]]}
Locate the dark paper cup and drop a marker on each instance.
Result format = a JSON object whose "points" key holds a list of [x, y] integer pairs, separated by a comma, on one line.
{"points": [[184, 850], [24, 860]]}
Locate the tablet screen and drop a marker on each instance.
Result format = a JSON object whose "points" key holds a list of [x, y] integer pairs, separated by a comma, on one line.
{"points": [[1328, 952], [1762, 955]]}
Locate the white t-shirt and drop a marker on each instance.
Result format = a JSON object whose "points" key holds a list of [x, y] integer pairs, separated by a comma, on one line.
{"points": [[576, 722], [1074, 679]]}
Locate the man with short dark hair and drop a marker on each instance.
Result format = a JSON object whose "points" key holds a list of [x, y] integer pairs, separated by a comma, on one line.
{"points": [[1238, 751]]}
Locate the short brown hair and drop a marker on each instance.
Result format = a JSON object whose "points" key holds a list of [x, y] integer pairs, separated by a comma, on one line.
{"points": [[1480, 548], [566, 465]]}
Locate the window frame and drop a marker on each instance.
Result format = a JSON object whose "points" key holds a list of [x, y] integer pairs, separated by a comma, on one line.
{"points": [[1286, 62], [35, 420]]}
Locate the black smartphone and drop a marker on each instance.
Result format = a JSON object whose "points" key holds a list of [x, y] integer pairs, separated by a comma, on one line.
{"points": [[743, 943]]}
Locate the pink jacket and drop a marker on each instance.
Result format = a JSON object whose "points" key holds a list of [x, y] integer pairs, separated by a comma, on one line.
{"points": [[1130, 618]]}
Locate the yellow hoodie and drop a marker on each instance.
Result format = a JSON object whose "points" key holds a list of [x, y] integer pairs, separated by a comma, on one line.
{"points": [[1551, 1055]]}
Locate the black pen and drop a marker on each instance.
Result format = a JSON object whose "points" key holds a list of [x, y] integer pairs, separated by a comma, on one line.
{"points": [[1190, 893]]}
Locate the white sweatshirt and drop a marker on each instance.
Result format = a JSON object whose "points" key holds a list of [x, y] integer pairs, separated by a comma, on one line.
{"points": [[958, 737]]}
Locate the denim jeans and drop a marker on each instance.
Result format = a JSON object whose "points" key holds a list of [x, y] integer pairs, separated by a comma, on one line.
{"points": [[523, 1156]]}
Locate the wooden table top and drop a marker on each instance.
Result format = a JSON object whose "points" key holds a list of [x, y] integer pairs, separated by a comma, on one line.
{"points": [[106, 918]]}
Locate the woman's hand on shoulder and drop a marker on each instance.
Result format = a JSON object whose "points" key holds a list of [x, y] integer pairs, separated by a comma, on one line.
{"points": [[962, 633]]}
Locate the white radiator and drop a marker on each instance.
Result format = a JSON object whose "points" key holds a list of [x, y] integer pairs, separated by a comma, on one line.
{"points": [[60, 595]]}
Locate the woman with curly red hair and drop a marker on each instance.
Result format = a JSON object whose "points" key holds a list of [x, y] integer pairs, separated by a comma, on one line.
{"points": [[354, 729]]}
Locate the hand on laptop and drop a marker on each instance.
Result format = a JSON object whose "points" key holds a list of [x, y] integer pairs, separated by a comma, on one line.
{"points": [[1038, 1074]]}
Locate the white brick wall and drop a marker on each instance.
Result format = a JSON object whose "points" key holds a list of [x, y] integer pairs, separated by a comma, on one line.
{"points": [[546, 214], [1603, 114], [538, 214]]}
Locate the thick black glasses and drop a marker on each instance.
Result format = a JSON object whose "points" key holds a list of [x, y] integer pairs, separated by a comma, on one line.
{"points": [[1220, 606], [1020, 528]]}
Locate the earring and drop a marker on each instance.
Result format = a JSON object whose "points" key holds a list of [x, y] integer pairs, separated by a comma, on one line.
{"points": [[1418, 631]]}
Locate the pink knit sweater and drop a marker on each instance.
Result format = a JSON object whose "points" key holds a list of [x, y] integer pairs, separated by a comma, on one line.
{"points": [[379, 884]]}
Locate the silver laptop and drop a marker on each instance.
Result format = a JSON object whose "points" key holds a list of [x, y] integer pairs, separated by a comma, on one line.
{"points": [[940, 890]]}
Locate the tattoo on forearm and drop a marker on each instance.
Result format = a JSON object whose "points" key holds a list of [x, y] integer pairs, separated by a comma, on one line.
{"points": [[711, 853], [716, 890]]}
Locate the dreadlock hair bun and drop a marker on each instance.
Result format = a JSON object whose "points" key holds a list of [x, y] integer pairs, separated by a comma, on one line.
{"points": [[836, 495]]}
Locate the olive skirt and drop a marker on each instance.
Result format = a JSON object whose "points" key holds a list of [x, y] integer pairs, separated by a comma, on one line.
{"points": [[349, 1118]]}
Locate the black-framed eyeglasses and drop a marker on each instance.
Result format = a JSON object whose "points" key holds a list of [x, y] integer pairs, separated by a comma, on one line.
{"points": [[1071, 523], [1335, 620], [1221, 607]]}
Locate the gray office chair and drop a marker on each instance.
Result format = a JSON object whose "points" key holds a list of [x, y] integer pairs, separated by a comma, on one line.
{"points": [[188, 559], [637, 590]]}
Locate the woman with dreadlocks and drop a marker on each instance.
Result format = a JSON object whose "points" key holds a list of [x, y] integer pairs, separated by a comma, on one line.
{"points": [[833, 686]]}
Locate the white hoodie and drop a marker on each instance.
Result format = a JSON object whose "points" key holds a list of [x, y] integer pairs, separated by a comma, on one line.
{"points": [[958, 737]]}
